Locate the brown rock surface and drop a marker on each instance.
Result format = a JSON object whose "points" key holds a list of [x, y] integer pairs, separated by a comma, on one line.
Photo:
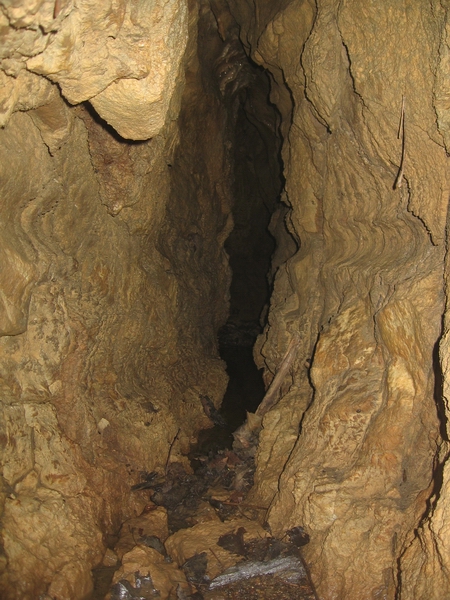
{"points": [[150, 523], [351, 449], [109, 316], [186, 543], [114, 281], [124, 57], [167, 579]]}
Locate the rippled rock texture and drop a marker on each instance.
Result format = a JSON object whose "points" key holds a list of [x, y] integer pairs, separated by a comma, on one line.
{"points": [[114, 280], [115, 204], [353, 451]]}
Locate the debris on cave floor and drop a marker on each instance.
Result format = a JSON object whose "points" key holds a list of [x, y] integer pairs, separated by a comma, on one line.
{"points": [[198, 538], [265, 587], [219, 480], [281, 577], [236, 559]]}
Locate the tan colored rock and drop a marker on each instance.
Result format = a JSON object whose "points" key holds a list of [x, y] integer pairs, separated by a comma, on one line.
{"points": [[69, 541], [72, 581], [28, 17], [22, 27], [133, 77], [203, 537], [153, 522], [110, 559], [17, 280], [22, 91], [19, 271], [106, 347], [138, 51], [53, 120], [133, 108], [166, 577], [114, 283], [356, 437]]}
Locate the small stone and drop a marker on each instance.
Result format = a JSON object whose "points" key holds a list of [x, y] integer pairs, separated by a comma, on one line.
{"points": [[110, 559]]}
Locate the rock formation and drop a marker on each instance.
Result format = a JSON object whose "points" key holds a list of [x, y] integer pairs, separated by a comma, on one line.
{"points": [[355, 448], [114, 281], [117, 177]]}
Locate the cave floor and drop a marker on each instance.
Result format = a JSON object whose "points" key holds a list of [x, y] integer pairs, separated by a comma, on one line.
{"points": [[251, 563], [257, 566], [268, 587]]}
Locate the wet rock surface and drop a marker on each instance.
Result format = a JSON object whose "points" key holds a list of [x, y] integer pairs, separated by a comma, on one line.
{"points": [[353, 445]]}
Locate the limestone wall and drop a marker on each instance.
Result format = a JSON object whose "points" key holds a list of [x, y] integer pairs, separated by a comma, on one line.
{"points": [[113, 277], [354, 449], [116, 178]]}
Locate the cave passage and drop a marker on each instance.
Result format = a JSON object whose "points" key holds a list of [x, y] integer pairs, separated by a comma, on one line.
{"points": [[151, 245], [250, 246]]}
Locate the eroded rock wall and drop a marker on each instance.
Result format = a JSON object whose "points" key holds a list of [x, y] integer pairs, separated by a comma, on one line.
{"points": [[124, 57], [114, 282], [113, 276], [353, 450]]}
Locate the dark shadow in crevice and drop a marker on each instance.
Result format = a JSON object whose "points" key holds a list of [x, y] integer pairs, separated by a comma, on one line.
{"points": [[439, 392], [440, 461], [107, 127], [244, 393], [253, 125]]}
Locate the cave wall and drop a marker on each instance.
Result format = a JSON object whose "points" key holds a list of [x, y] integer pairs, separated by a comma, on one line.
{"points": [[114, 280], [355, 450], [116, 187]]}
